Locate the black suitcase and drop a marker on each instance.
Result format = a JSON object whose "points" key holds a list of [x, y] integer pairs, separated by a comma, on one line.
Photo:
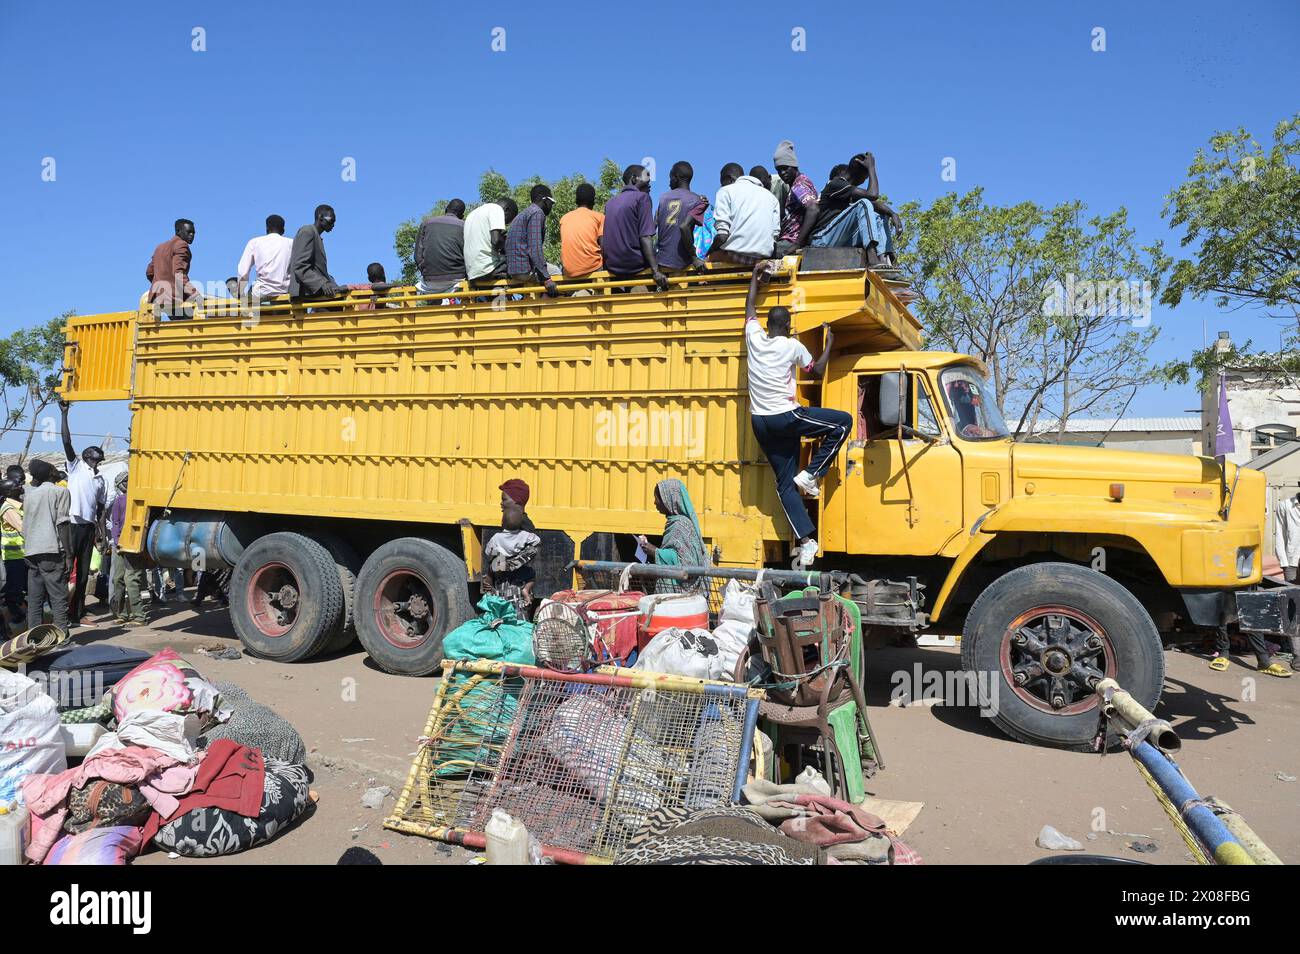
{"points": [[78, 676]]}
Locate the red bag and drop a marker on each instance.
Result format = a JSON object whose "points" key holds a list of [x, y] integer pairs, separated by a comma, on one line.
{"points": [[612, 617]]}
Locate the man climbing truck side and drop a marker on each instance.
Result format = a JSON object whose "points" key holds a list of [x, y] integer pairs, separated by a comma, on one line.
{"points": [[344, 462]]}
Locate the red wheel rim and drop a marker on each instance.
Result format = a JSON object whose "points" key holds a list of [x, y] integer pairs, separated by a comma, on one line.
{"points": [[274, 595], [1059, 654], [404, 610]]}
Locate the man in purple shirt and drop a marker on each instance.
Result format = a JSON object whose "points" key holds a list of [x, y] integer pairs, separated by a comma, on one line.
{"points": [[799, 215], [629, 240], [680, 210], [525, 260]]}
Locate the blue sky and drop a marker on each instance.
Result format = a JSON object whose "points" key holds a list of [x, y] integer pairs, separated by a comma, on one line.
{"points": [[143, 129]]}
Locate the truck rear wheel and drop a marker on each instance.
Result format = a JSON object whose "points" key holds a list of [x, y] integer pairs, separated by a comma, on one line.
{"points": [[285, 598], [1041, 637], [348, 565], [410, 593]]}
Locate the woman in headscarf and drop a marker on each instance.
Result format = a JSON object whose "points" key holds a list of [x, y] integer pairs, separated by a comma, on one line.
{"points": [[682, 543]]}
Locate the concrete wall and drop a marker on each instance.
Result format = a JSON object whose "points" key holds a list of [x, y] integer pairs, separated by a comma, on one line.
{"points": [[1253, 400]]}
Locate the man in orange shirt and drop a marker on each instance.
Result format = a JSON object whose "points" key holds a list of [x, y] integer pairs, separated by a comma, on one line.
{"points": [[580, 233]]}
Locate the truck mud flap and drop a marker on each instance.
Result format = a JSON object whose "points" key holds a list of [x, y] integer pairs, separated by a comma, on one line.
{"points": [[1274, 611]]}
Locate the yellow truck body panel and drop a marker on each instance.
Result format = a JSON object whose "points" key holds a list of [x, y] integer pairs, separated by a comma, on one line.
{"points": [[402, 409]]}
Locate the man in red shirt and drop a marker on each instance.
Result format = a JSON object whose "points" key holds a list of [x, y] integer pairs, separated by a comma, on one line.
{"points": [[168, 273]]}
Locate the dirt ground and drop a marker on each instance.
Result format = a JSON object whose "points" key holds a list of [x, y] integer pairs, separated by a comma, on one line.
{"points": [[985, 796]]}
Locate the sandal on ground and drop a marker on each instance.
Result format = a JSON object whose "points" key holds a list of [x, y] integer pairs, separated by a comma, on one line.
{"points": [[1219, 664], [1277, 669]]}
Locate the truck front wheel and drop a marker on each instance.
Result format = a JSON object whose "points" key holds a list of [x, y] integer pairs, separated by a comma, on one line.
{"points": [[410, 593], [1041, 637]]}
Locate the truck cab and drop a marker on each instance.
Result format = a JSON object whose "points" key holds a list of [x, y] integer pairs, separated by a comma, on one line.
{"points": [[1054, 561]]}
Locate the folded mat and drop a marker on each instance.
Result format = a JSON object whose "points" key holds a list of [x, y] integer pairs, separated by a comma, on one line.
{"points": [[721, 835], [27, 647]]}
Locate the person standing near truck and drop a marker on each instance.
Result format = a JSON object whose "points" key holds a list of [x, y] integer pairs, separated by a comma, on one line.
{"points": [[127, 568], [86, 487], [47, 530], [11, 539], [777, 417]]}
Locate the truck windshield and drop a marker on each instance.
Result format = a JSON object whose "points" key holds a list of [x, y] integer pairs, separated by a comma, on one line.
{"points": [[971, 406]]}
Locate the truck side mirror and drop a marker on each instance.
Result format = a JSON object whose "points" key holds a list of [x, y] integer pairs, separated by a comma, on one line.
{"points": [[893, 398]]}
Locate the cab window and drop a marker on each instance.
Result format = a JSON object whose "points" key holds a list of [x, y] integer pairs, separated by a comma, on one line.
{"points": [[918, 411]]}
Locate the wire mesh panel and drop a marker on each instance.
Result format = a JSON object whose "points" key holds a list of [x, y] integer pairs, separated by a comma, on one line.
{"points": [[580, 759]]}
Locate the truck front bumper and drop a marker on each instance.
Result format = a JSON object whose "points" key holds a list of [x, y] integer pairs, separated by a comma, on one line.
{"points": [[1271, 610]]}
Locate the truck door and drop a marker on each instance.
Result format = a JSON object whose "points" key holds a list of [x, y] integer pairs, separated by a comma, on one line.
{"points": [[99, 357], [903, 498]]}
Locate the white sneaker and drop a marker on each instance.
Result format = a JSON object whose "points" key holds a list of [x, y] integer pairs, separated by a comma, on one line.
{"points": [[807, 553], [807, 484]]}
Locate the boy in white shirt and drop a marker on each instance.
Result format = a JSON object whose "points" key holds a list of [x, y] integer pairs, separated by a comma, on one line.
{"points": [[777, 417]]}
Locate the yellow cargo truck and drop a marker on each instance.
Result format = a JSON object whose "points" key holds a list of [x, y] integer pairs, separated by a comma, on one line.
{"points": [[343, 458]]}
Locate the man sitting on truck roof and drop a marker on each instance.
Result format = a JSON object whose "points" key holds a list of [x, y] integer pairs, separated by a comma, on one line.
{"points": [[580, 235], [440, 250], [746, 216], [629, 241], [309, 269], [269, 255], [800, 207], [680, 211], [525, 259], [778, 419], [850, 216], [168, 274], [485, 241]]}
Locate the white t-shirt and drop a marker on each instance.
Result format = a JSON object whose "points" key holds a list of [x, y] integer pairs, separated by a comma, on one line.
{"points": [[270, 255], [1286, 531], [87, 491], [750, 215], [772, 363], [480, 258]]}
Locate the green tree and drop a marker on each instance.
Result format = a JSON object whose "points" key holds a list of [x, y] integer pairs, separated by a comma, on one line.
{"points": [[492, 186], [1240, 212], [31, 360], [1056, 304]]}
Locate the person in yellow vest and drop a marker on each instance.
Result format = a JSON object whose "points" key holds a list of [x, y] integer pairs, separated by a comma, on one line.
{"points": [[11, 548]]}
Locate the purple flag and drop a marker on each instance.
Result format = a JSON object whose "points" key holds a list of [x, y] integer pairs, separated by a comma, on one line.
{"points": [[1224, 443]]}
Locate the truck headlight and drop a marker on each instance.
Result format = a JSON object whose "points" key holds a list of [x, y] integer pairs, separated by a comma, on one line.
{"points": [[1245, 561]]}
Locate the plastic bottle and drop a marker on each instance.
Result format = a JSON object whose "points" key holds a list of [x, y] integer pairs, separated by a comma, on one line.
{"points": [[507, 840], [13, 833]]}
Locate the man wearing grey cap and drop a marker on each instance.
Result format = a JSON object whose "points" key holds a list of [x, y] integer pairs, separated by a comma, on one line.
{"points": [[800, 209]]}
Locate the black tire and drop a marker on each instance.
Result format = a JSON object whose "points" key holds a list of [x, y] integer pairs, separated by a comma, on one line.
{"points": [[1131, 650], [275, 561], [348, 565], [397, 571]]}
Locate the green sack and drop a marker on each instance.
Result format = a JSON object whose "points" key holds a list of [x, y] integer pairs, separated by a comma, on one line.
{"points": [[496, 634]]}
